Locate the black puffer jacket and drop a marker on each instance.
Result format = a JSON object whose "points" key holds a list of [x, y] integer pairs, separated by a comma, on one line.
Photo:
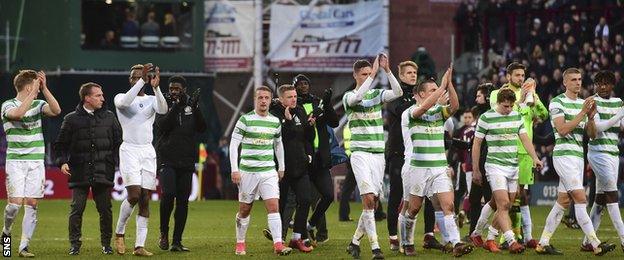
{"points": [[176, 133], [89, 144]]}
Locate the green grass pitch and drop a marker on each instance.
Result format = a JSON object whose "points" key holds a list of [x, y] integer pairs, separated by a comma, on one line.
{"points": [[210, 235]]}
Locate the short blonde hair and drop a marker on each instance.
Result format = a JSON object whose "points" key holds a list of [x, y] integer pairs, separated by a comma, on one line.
{"points": [[404, 64]]}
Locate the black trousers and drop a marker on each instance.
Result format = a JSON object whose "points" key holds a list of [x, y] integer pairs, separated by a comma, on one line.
{"points": [[476, 193], [102, 198], [176, 185], [301, 188], [324, 186], [460, 189], [393, 169]]}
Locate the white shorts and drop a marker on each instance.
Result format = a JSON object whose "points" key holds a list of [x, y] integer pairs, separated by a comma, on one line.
{"points": [[502, 178], [428, 181], [368, 169], [258, 185], [605, 167], [25, 179], [570, 171], [137, 165]]}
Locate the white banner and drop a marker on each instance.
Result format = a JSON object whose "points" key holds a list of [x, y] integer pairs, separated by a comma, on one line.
{"points": [[229, 34], [325, 37]]}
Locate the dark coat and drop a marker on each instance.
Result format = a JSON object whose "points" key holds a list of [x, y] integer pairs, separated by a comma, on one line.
{"points": [[297, 138], [176, 134], [89, 144]]}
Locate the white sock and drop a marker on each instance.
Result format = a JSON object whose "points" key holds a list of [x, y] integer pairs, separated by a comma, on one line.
{"points": [[29, 223], [486, 212], [451, 228], [510, 237], [402, 229], [410, 226], [527, 224], [10, 211], [296, 236], [595, 214], [492, 233], [359, 230], [552, 221], [371, 229], [125, 210], [616, 218], [586, 225], [241, 228], [275, 225], [141, 231], [468, 182], [439, 217]]}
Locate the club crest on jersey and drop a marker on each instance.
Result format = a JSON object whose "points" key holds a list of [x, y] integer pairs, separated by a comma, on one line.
{"points": [[141, 105], [188, 110]]}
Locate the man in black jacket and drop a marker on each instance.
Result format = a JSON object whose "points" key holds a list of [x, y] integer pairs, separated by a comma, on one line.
{"points": [[298, 138], [87, 150], [176, 149], [395, 149], [325, 115]]}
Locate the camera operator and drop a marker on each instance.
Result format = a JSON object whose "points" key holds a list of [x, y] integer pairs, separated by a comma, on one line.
{"points": [[176, 147]]}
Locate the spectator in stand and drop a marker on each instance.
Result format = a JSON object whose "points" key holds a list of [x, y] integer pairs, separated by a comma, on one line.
{"points": [[602, 29], [150, 27], [109, 41], [130, 27], [169, 26]]}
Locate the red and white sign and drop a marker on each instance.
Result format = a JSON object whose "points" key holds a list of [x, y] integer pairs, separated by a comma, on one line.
{"points": [[228, 39]]}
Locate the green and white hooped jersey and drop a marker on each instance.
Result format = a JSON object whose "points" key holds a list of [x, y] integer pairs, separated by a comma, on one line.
{"points": [[501, 133], [427, 136], [607, 141], [572, 143], [25, 136], [257, 134], [365, 122]]}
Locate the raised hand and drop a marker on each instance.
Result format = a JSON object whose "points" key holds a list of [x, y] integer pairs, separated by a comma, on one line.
{"points": [[42, 77], [155, 81], [588, 105], [384, 62], [375, 66], [287, 114], [146, 68], [444, 99]]}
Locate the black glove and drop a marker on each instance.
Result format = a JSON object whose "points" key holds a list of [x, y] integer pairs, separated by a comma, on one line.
{"points": [[327, 95], [194, 101]]}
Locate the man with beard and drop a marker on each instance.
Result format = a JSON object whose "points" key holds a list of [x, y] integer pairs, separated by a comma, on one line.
{"points": [[325, 115], [531, 109], [176, 146]]}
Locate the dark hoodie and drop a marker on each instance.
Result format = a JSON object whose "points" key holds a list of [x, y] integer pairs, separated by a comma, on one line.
{"points": [[89, 144], [394, 145]]}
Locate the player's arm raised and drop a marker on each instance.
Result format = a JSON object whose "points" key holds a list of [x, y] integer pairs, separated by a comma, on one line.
{"points": [[52, 108]]}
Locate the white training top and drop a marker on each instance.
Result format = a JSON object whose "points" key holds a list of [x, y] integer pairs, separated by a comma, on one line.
{"points": [[137, 113]]}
